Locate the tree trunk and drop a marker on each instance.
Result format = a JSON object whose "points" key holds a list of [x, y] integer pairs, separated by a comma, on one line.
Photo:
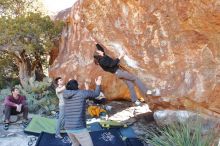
{"points": [[28, 70], [38, 69], [24, 74]]}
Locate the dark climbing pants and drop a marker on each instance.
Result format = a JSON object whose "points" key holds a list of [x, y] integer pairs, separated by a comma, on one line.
{"points": [[8, 111]]}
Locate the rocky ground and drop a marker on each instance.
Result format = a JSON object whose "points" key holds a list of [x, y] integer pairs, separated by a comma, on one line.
{"points": [[139, 118]]}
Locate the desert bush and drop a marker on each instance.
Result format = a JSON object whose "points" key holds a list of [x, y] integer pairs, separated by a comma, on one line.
{"points": [[181, 134]]}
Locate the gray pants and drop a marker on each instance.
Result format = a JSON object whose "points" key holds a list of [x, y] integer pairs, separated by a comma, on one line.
{"points": [[60, 121], [130, 80]]}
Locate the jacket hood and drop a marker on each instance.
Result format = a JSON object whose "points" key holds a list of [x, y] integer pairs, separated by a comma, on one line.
{"points": [[69, 93]]}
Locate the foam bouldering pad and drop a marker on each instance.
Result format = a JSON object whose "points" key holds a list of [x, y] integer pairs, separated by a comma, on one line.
{"points": [[99, 138]]}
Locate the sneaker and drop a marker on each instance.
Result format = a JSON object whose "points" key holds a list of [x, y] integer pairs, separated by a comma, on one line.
{"points": [[25, 123], [58, 136], [142, 100], [6, 126], [156, 92], [149, 92], [137, 103]]}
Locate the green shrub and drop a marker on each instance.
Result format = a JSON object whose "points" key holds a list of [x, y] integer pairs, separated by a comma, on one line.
{"points": [[8, 82], [185, 134]]}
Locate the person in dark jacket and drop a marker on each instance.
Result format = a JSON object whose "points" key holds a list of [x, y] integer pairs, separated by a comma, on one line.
{"points": [[15, 104], [75, 110], [111, 65]]}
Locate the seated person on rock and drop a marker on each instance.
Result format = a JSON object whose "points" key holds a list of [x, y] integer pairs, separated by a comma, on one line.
{"points": [[15, 104]]}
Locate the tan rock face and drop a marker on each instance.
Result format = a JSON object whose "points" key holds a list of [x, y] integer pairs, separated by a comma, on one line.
{"points": [[172, 45]]}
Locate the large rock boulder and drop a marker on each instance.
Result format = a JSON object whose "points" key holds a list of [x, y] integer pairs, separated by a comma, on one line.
{"points": [[169, 117], [172, 45]]}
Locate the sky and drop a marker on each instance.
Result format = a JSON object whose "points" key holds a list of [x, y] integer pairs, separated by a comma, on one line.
{"points": [[58, 5]]}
